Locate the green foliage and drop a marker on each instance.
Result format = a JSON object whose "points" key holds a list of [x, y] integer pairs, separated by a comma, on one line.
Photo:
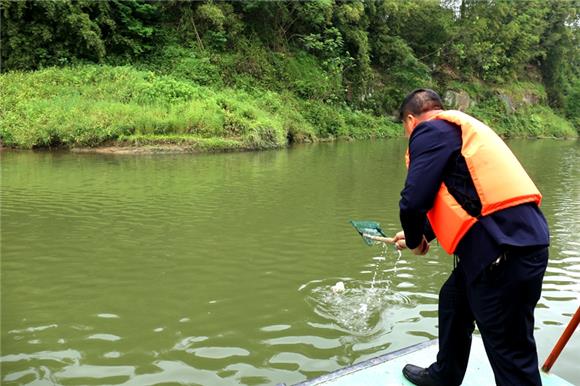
{"points": [[496, 39], [184, 63], [536, 122], [352, 22], [405, 73], [336, 123], [308, 80], [526, 115], [90, 105], [156, 142], [219, 26], [37, 34], [275, 22], [268, 73], [315, 14], [559, 64], [400, 82], [395, 23], [572, 107], [329, 46]]}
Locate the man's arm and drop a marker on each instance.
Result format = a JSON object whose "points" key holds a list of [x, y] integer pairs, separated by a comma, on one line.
{"points": [[430, 147]]}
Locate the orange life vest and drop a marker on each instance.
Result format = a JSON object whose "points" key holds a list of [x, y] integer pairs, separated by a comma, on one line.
{"points": [[500, 180]]}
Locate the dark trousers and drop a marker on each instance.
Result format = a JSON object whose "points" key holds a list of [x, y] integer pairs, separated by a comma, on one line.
{"points": [[501, 300]]}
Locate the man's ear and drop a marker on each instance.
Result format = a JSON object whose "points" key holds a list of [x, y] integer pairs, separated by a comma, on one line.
{"points": [[411, 122]]}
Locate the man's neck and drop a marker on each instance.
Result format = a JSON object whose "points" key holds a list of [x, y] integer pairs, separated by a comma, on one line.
{"points": [[427, 115]]}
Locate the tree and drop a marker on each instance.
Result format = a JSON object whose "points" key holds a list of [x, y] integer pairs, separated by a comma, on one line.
{"points": [[560, 60], [36, 34], [496, 39]]}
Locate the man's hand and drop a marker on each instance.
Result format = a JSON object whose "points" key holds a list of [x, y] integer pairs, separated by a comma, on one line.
{"points": [[399, 240], [400, 243], [422, 249]]}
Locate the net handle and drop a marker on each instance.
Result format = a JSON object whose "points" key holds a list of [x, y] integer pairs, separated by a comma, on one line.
{"points": [[386, 240]]}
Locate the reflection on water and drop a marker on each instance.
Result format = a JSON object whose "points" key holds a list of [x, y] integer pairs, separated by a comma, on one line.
{"points": [[218, 269]]}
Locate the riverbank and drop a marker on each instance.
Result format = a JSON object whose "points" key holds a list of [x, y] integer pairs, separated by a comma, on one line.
{"points": [[123, 108], [92, 105]]}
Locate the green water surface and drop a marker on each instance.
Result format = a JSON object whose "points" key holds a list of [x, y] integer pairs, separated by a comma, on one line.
{"points": [[217, 269]]}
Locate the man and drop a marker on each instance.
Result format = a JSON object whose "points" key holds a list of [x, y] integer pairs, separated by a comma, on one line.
{"points": [[465, 187]]}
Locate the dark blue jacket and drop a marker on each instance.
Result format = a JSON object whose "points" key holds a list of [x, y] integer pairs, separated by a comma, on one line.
{"points": [[435, 152]]}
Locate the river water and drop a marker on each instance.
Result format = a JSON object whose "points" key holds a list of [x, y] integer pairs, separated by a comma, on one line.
{"points": [[217, 269]]}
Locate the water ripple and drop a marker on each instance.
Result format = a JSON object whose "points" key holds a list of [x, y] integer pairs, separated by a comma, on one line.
{"points": [[183, 269]]}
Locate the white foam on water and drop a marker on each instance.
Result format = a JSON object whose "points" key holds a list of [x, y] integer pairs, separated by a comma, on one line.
{"points": [[361, 307], [108, 316]]}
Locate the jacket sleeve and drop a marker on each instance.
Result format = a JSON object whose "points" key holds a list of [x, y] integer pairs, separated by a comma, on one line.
{"points": [[430, 148]]}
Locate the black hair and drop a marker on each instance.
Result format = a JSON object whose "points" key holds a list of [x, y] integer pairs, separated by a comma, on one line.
{"points": [[419, 101]]}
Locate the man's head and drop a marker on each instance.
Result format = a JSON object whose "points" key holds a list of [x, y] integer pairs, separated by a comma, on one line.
{"points": [[419, 105]]}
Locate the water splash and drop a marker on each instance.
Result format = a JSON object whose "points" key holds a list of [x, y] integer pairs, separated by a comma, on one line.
{"points": [[359, 309]]}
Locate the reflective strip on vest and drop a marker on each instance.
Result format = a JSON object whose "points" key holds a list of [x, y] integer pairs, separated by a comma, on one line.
{"points": [[499, 179]]}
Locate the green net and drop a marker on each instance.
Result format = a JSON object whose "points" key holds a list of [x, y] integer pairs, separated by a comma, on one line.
{"points": [[371, 228]]}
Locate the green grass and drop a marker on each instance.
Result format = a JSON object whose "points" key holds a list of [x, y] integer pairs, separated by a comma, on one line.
{"points": [[91, 105], [535, 121], [191, 142], [184, 98], [532, 117]]}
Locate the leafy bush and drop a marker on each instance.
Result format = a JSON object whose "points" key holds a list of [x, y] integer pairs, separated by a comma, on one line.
{"points": [[528, 120], [572, 103], [308, 80], [184, 63]]}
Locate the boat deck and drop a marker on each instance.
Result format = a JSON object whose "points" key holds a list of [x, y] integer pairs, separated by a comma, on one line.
{"points": [[385, 370]]}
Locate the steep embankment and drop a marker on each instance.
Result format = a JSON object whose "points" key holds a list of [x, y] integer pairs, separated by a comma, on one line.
{"points": [[93, 105], [124, 107], [519, 109]]}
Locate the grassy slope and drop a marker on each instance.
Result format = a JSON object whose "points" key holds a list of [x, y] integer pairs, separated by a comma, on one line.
{"points": [[91, 105], [247, 100], [517, 110]]}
